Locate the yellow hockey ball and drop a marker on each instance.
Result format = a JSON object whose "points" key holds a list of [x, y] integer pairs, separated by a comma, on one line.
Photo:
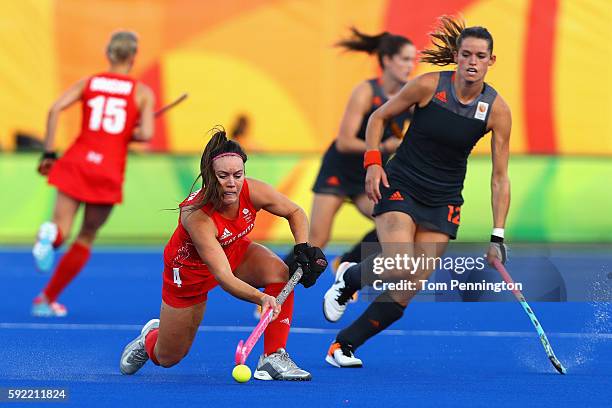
{"points": [[241, 373]]}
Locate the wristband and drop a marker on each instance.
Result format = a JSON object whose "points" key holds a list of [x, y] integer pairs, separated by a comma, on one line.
{"points": [[497, 235], [498, 232], [49, 155], [372, 157]]}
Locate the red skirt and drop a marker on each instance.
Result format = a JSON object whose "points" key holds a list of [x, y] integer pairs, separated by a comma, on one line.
{"points": [[88, 176]]}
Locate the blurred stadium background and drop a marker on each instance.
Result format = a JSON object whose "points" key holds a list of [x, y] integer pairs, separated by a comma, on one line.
{"points": [[273, 62]]}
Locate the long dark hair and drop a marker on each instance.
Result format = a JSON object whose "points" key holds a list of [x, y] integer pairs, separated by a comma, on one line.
{"points": [[383, 44], [211, 190], [447, 37]]}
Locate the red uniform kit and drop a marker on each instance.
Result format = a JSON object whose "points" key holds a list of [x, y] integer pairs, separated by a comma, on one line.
{"points": [[187, 279], [92, 169]]}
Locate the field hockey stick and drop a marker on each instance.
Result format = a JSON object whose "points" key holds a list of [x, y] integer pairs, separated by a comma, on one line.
{"points": [[244, 348], [171, 105], [519, 296]]}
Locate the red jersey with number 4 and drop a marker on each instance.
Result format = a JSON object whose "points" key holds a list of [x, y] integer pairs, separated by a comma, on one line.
{"points": [[92, 169], [231, 234]]}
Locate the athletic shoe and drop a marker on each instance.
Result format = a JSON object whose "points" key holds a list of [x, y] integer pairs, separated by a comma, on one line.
{"points": [[42, 308], [336, 297], [135, 355], [279, 366], [43, 250], [335, 265], [341, 356]]}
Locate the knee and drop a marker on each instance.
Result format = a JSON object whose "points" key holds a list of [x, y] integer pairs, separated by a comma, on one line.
{"points": [[169, 359]]}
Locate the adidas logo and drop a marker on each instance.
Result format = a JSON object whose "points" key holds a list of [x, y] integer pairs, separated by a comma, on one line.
{"points": [[333, 181], [226, 234], [286, 321], [396, 197], [441, 96]]}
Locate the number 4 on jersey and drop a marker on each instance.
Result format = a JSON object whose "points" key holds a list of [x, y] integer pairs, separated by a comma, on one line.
{"points": [[107, 113], [177, 277]]}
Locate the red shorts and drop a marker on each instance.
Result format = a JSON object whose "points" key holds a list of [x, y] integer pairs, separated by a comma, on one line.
{"points": [[184, 287]]}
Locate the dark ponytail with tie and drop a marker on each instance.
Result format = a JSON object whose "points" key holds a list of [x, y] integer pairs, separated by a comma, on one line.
{"points": [[383, 44]]}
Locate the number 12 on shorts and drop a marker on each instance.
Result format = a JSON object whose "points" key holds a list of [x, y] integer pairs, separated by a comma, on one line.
{"points": [[177, 277], [454, 214]]}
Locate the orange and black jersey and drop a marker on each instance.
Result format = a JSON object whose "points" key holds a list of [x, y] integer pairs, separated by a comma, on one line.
{"points": [[431, 162]]}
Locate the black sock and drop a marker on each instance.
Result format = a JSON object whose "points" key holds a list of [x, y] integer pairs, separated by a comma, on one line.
{"points": [[354, 255], [362, 274], [381, 313]]}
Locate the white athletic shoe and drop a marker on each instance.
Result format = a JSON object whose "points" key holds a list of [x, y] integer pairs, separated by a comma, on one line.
{"points": [[43, 250], [336, 297], [335, 265], [341, 356], [135, 355], [279, 366]]}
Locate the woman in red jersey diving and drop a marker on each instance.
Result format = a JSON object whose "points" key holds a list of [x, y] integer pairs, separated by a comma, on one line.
{"points": [[210, 247]]}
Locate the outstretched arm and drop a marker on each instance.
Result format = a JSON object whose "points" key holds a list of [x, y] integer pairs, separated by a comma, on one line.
{"points": [[500, 152], [500, 124], [203, 232], [310, 259], [264, 196]]}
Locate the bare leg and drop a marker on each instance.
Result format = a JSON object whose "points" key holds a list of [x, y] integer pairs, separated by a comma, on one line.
{"points": [[76, 257], [63, 213], [324, 209], [364, 205], [95, 217], [261, 267], [177, 330]]}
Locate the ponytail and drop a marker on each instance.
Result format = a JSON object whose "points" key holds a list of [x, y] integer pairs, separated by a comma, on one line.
{"points": [[383, 44], [446, 40]]}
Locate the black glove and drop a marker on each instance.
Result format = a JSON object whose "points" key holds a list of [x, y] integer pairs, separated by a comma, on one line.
{"points": [[47, 160], [311, 260], [497, 244]]}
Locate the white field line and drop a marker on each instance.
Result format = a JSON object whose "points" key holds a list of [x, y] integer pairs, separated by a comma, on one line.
{"points": [[301, 330]]}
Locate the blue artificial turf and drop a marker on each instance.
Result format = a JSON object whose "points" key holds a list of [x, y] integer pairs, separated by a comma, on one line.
{"points": [[439, 354]]}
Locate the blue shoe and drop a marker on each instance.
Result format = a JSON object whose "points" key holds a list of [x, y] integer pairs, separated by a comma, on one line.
{"points": [[42, 308], [43, 251]]}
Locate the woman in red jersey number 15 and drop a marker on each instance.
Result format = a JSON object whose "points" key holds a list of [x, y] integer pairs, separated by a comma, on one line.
{"points": [[116, 109]]}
